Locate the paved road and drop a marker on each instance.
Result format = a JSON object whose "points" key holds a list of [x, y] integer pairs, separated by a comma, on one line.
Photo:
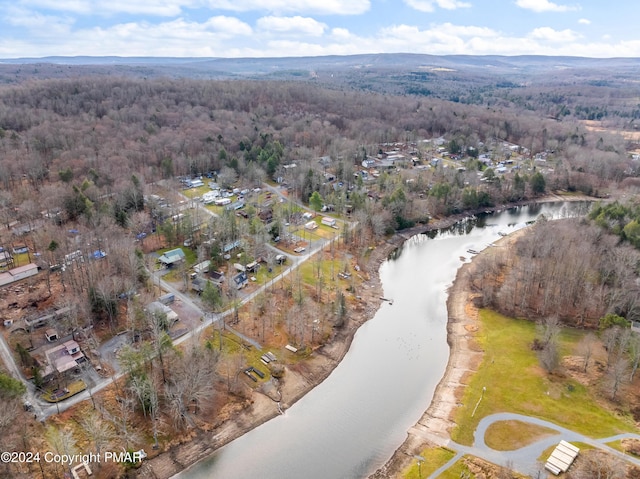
{"points": [[9, 361], [524, 460], [42, 409]]}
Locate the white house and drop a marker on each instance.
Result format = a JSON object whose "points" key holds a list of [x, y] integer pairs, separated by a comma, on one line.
{"points": [[210, 196], [202, 267], [16, 274], [368, 163], [195, 183], [328, 221]]}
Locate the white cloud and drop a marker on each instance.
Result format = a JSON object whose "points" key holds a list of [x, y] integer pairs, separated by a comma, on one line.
{"points": [[551, 35], [29, 33], [430, 5], [177, 7], [584, 21], [291, 25], [31, 20], [324, 7], [101, 7], [467, 31], [539, 6], [217, 36], [228, 25], [341, 33]]}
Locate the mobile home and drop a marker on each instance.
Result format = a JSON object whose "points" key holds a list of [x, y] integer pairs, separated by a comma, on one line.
{"points": [[328, 221]]}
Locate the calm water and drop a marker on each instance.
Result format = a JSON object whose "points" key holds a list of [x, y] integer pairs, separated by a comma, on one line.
{"points": [[352, 423]]}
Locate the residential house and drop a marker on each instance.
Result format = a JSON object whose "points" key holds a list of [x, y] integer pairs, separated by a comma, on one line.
{"points": [[328, 221], [16, 274], [368, 163], [202, 267], [172, 257], [195, 183], [240, 280], [156, 307], [217, 277], [62, 358]]}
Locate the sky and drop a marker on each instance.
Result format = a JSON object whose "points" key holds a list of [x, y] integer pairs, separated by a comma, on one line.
{"points": [[283, 28]]}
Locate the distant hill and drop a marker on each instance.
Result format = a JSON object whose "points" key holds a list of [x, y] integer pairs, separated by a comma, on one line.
{"points": [[460, 78], [403, 61]]}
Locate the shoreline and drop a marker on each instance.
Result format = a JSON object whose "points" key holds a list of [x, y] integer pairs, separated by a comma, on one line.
{"points": [[434, 424]]}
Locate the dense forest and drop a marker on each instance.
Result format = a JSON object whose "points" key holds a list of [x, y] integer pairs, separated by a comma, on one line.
{"points": [[94, 134]]}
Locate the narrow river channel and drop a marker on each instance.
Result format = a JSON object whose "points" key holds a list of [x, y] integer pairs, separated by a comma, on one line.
{"points": [[352, 423]]}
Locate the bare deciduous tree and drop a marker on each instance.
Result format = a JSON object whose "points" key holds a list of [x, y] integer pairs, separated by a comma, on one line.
{"points": [[597, 465], [617, 375], [585, 349], [99, 431]]}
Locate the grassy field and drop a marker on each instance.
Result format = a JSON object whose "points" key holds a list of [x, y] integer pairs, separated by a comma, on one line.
{"points": [[234, 351], [515, 383], [458, 470], [434, 458], [310, 270], [513, 435]]}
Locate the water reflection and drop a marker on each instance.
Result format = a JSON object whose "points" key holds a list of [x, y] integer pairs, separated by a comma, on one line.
{"points": [[349, 425], [550, 210]]}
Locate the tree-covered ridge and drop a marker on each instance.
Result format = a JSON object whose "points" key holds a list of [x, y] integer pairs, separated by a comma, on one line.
{"points": [[620, 219], [567, 269]]}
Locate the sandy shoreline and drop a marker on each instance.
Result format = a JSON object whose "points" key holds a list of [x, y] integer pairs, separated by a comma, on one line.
{"points": [[432, 428]]}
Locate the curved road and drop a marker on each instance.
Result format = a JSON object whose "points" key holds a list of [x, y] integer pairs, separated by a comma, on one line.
{"points": [[525, 459]]}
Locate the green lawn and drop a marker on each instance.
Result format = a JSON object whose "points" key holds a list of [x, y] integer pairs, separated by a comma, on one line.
{"points": [[515, 383], [458, 470], [233, 348], [196, 192], [190, 255], [434, 458], [309, 269], [72, 389]]}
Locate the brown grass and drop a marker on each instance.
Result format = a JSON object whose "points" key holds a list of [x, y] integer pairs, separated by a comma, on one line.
{"points": [[512, 435]]}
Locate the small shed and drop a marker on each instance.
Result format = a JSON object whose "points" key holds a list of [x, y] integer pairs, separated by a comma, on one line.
{"points": [[51, 335], [5, 258], [561, 458], [311, 225]]}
